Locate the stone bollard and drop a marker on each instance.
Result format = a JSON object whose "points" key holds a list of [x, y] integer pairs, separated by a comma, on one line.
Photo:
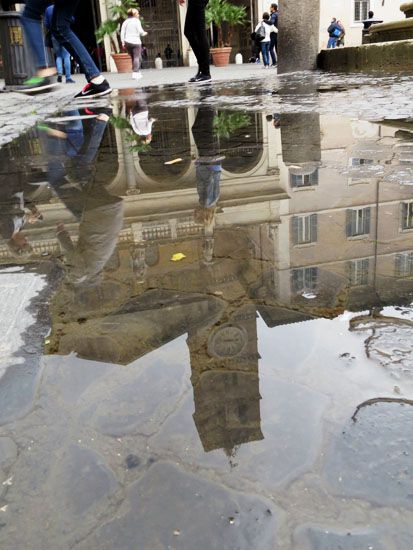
{"points": [[158, 63], [238, 59]]}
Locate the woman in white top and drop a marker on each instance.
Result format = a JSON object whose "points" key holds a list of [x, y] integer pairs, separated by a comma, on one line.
{"points": [[130, 35], [265, 43]]}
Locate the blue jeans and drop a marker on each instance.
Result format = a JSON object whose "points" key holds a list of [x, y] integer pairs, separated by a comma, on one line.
{"points": [[62, 17], [265, 48], [62, 58], [332, 42]]}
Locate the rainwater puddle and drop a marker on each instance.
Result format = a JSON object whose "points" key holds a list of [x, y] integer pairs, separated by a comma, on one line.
{"points": [[207, 325]]}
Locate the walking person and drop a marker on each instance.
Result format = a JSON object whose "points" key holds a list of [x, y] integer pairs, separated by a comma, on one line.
{"points": [[61, 54], [266, 41], [130, 35], [274, 37], [334, 32], [195, 31], [63, 12]]}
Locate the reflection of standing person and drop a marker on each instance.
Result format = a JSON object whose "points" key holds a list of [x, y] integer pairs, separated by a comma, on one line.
{"points": [[130, 35], [195, 31], [61, 54], [208, 174], [60, 27], [140, 121], [274, 36]]}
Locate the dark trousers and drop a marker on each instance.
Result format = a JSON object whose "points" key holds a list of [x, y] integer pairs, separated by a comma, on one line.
{"points": [[135, 51], [61, 21], [195, 31], [273, 49]]}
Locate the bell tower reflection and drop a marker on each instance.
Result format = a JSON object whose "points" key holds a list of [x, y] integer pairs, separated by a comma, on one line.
{"points": [[224, 364]]}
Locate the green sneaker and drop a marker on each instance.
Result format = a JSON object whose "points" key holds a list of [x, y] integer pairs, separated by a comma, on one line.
{"points": [[37, 84]]}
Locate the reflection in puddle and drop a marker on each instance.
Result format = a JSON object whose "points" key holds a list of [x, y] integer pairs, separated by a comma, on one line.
{"points": [[223, 292]]}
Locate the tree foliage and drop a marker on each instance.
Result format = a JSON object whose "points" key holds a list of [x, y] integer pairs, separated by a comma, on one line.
{"points": [[225, 16]]}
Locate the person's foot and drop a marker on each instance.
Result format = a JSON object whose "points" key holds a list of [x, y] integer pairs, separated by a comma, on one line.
{"points": [[70, 81], [59, 78], [274, 65], [193, 79], [37, 84], [94, 90], [137, 75], [257, 61], [203, 77]]}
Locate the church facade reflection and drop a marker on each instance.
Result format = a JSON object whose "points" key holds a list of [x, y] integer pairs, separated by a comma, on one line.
{"points": [[293, 221]]}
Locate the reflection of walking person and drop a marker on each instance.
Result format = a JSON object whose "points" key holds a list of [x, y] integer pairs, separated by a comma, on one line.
{"points": [[60, 27], [130, 35], [208, 175], [195, 31], [61, 54]]}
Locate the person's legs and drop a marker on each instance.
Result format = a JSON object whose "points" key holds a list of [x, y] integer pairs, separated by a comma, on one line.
{"points": [[272, 52], [135, 51], [331, 42], [265, 47], [66, 63], [32, 24], [61, 20], [195, 31], [57, 50]]}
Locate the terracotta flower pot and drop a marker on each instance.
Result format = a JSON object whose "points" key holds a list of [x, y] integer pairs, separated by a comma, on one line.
{"points": [[220, 56], [123, 62]]}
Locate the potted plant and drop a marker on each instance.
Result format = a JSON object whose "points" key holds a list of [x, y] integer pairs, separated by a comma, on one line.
{"points": [[225, 16], [111, 28]]}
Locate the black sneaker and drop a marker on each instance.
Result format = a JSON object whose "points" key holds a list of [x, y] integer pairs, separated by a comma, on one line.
{"points": [[59, 78], [94, 90], [37, 84], [193, 79], [202, 77]]}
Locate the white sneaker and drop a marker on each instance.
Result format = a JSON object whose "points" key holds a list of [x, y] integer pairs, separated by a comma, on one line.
{"points": [[137, 76]]}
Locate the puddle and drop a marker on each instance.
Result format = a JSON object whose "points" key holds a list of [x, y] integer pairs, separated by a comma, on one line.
{"points": [[207, 321]]}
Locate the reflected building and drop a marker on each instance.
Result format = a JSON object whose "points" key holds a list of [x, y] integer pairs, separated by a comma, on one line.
{"points": [[313, 216]]}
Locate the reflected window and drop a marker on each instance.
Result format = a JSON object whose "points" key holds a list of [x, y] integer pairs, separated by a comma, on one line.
{"points": [[304, 229], [358, 222], [304, 279], [304, 180], [407, 215], [361, 10], [359, 272], [404, 264], [361, 162]]}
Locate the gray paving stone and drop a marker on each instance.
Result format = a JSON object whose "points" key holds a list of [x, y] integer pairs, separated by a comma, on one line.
{"points": [[8, 452], [372, 457], [83, 485], [169, 508]]}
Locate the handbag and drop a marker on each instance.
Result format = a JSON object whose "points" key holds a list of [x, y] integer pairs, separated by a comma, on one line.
{"points": [[260, 34]]}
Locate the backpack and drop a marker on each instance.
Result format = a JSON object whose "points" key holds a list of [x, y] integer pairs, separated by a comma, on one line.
{"points": [[260, 34], [336, 32]]}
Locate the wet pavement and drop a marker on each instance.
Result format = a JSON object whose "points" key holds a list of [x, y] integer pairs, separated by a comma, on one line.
{"points": [[207, 320]]}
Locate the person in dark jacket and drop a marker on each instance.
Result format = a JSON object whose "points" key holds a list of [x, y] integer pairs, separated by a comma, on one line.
{"points": [[274, 36], [334, 32]]}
